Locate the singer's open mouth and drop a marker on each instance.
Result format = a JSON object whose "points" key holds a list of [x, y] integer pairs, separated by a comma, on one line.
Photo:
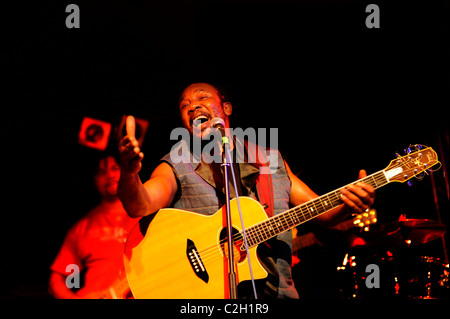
{"points": [[200, 119]]}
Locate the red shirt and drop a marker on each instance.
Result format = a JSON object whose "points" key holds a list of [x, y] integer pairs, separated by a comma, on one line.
{"points": [[96, 244]]}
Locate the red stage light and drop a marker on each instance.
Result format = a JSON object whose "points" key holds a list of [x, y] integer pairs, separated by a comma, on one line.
{"points": [[94, 133]]}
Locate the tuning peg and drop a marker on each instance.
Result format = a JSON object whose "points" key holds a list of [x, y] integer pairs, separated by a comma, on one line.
{"points": [[408, 150], [415, 147], [410, 183]]}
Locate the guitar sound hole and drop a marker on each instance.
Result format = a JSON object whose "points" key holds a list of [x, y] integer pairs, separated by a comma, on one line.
{"points": [[238, 254]]}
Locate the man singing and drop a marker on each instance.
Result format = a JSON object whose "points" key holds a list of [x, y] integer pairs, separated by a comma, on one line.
{"points": [[198, 187]]}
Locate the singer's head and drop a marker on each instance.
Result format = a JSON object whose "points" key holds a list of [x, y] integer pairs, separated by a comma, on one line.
{"points": [[199, 103]]}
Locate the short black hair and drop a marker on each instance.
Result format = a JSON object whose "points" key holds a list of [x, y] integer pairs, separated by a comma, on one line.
{"points": [[222, 91]]}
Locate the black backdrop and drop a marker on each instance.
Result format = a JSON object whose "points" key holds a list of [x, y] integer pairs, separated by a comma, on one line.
{"points": [[342, 96]]}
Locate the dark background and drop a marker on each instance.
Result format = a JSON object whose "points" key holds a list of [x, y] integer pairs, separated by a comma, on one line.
{"points": [[342, 96]]}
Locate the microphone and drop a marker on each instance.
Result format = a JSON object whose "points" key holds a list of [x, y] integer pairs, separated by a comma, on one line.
{"points": [[219, 125]]}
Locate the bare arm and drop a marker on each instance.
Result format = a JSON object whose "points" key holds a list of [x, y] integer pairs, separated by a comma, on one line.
{"points": [[137, 198]]}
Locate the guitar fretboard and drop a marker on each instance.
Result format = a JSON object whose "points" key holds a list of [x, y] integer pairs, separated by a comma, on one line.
{"points": [[275, 225]]}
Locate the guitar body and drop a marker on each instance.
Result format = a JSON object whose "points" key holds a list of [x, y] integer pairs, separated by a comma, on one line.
{"points": [[181, 255]]}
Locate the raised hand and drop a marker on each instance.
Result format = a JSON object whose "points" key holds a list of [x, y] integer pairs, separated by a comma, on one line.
{"points": [[129, 151]]}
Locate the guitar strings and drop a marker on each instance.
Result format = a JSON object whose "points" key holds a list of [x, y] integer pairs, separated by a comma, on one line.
{"points": [[378, 178], [294, 216], [288, 219], [257, 233]]}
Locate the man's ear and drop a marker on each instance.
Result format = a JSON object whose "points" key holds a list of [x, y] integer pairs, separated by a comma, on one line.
{"points": [[227, 108]]}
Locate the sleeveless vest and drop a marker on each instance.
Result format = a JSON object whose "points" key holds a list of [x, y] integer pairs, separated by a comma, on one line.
{"points": [[199, 196]]}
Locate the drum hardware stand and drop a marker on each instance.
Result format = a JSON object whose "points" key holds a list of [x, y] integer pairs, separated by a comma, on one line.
{"points": [[350, 261], [435, 195]]}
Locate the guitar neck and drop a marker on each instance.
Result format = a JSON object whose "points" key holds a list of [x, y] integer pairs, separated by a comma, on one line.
{"points": [[293, 217]]}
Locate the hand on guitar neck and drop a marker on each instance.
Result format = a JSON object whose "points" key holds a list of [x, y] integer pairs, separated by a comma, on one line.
{"points": [[358, 197]]}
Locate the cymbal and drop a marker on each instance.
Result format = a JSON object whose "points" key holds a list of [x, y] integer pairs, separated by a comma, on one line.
{"points": [[337, 238], [395, 234], [420, 231]]}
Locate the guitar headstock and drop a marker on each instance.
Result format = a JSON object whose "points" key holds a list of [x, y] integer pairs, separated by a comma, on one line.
{"points": [[413, 164]]}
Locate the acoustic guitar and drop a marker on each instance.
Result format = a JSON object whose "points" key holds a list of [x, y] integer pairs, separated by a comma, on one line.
{"points": [[180, 254]]}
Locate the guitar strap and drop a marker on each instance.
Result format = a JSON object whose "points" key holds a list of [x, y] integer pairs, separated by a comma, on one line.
{"points": [[264, 185]]}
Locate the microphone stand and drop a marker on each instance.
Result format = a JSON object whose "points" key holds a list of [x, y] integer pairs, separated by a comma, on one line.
{"points": [[226, 163], [219, 124]]}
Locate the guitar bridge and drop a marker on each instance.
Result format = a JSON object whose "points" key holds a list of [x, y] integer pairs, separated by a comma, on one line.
{"points": [[196, 261]]}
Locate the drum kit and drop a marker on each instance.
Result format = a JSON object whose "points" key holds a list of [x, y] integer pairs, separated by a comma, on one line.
{"points": [[401, 272]]}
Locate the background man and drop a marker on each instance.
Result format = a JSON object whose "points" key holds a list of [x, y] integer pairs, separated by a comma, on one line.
{"points": [[96, 243]]}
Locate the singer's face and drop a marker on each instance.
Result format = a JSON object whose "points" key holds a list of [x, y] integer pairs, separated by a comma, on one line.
{"points": [[199, 103]]}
